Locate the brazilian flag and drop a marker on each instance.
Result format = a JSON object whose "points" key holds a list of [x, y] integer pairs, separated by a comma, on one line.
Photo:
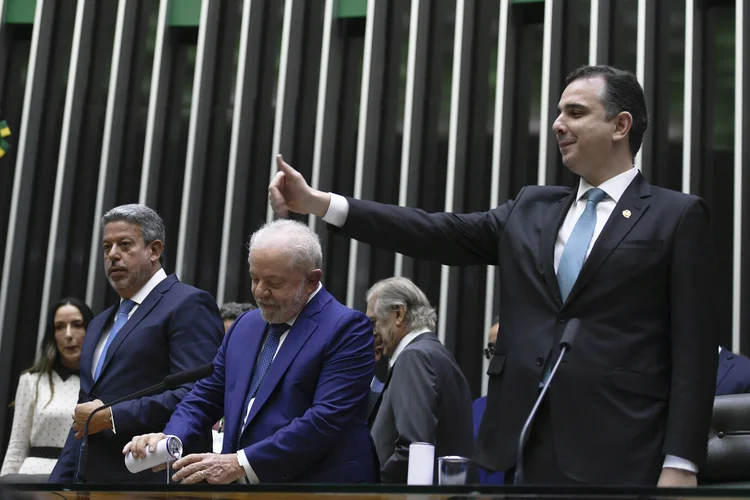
{"points": [[4, 132]]}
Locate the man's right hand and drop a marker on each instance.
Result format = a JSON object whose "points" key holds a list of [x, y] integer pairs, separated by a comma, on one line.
{"points": [[137, 446], [289, 192]]}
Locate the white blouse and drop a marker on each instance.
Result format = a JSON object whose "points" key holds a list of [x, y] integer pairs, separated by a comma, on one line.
{"points": [[39, 421]]}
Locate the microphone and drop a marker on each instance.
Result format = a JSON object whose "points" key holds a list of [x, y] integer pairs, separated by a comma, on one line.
{"points": [[566, 344], [175, 380], [170, 382]]}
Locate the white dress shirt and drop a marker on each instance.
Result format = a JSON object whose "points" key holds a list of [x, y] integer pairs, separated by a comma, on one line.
{"points": [[614, 188], [338, 211], [138, 298], [241, 457]]}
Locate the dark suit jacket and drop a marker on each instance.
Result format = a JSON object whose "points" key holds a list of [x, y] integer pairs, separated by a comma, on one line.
{"points": [[485, 476], [639, 382], [734, 374], [308, 422], [176, 328], [426, 399]]}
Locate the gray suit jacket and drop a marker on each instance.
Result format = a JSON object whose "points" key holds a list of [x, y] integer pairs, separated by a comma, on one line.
{"points": [[426, 399]]}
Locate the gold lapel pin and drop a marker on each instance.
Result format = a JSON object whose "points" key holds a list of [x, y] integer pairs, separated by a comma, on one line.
{"points": [[626, 214]]}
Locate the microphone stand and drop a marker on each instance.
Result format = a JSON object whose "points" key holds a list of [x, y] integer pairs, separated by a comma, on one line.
{"points": [[518, 477], [83, 451]]}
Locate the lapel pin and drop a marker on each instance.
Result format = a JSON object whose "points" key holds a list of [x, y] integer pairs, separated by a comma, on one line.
{"points": [[626, 214]]}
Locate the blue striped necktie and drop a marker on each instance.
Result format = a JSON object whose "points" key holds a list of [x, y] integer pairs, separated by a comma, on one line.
{"points": [[275, 331]]}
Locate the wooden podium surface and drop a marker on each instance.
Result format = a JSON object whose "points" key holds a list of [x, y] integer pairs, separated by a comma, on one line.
{"points": [[364, 492]]}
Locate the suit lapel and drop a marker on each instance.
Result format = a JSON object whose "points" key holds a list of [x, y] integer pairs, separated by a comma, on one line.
{"points": [[548, 240], [634, 200], [303, 328], [427, 336], [725, 365], [144, 308], [376, 406], [93, 335]]}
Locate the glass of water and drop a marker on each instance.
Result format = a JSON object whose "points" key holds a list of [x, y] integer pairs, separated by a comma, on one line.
{"points": [[452, 470]]}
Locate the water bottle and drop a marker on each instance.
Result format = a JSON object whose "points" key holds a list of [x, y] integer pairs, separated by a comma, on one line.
{"points": [[167, 449]]}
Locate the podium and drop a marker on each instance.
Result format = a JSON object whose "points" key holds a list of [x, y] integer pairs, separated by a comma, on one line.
{"points": [[346, 492]]}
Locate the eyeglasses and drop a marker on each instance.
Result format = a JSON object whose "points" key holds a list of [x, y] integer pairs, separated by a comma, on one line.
{"points": [[489, 350]]}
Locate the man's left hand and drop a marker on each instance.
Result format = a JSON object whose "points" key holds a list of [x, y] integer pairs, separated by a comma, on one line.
{"points": [[677, 478], [101, 421], [208, 467]]}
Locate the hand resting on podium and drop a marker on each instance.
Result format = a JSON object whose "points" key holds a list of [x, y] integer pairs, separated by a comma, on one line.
{"points": [[209, 467]]}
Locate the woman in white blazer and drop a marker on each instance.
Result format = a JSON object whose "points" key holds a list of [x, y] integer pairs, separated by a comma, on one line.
{"points": [[48, 393]]}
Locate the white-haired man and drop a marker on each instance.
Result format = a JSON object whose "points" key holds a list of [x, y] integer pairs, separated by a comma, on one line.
{"points": [[426, 397], [291, 378]]}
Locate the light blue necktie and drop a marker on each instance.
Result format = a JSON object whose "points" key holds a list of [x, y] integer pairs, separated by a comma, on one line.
{"points": [[574, 253], [122, 317], [275, 331]]}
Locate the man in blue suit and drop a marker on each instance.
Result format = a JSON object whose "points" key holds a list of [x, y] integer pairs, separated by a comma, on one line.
{"points": [[158, 327], [733, 376], [292, 379]]}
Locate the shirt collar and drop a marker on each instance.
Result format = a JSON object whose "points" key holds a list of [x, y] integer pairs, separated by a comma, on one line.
{"points": [[63, 371], [614, 187], [408, 338], [291, 321], [141, 294]]}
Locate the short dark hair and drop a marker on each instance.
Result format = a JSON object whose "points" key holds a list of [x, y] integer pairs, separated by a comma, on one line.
{"points": [[622, 92], [231, 310], [150, 224]]}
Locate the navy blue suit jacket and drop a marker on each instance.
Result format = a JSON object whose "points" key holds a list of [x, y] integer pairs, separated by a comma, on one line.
{"points": [[485, 476], [176, 328], [733, 376], [309, 419]]}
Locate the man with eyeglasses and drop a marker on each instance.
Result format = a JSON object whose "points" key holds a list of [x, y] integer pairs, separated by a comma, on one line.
{"points": [[491, 339], [485, 476]]}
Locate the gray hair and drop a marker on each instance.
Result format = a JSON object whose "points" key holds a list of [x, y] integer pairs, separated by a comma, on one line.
{"points": [[148, 221], [298, 241], [392, 293], [231, 310]]}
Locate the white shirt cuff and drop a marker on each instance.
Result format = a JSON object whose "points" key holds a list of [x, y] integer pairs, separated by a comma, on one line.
{"points": [[674, 462], [338, 210], [249, 472]]}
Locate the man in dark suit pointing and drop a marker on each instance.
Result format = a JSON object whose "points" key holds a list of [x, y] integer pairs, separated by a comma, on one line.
{"points": [[632, 262]]}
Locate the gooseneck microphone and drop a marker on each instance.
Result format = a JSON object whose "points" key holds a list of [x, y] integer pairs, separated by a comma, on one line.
{"points": [[566, 344], [170, 382]]}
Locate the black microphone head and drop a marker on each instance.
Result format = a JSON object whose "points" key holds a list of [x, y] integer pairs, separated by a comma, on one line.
{"points": [[569, 334], [177, 379]]}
